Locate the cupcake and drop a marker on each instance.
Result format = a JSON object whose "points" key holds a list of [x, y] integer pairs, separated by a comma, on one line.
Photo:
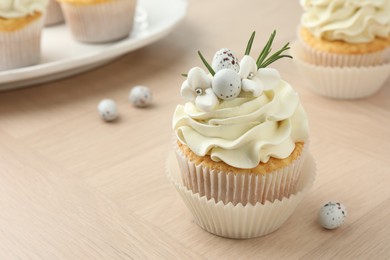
{"points": [[99, 21], [53, 13], [348, 41], [241, 142], [21, 24]]}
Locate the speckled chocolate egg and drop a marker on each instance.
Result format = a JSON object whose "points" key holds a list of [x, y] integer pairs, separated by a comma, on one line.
{"points": [[225, 59], [108, 110], [226, 84], [140, 96], [332, 215]]}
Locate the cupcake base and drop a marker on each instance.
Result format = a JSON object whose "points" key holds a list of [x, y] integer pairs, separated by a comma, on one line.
{"points": [[100, 22], [341, 82], [21, 47], [53, 13], [241, 187], [241, 222], [342, 54]]}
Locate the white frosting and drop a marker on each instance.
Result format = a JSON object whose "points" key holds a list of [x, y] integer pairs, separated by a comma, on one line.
{"points": [[353, 21], [21, 8], [247, 130]]}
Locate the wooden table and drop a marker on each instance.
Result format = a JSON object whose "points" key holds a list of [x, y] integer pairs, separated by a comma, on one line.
{"points": [[74, 187]]}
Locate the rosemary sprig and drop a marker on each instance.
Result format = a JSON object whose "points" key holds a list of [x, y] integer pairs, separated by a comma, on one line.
{"points": [[210, 69], [249, 45], [266, 50], [263, 61]]}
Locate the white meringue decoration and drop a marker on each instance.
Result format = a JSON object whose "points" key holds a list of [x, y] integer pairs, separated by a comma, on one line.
{"points": [[197, 88], [257, 80], [225, 59], [196, 79], [226, 84], [208, 101], [332, 215], [108, 110], [140, 96]]}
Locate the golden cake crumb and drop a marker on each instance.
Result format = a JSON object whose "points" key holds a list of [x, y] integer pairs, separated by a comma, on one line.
{"points": [[263, 168], [341, 47], [14, 24]]}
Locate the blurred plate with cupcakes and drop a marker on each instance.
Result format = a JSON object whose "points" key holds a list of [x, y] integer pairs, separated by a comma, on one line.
{"points": [[63, 54]]}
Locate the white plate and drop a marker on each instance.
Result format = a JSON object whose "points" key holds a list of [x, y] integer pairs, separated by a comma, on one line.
{"points": [[63, 57]]}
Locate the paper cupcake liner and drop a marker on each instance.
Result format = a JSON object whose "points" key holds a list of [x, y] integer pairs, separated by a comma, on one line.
{"points": [[241, 221], [342, 83], [103, 22], [243, 188], [22, 47], [53, 13], [325, 59]]}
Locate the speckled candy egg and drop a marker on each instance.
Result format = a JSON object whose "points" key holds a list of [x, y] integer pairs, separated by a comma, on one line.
{"points": [[226, 84], [332, 215], [140, 96], [107, 109], [225, 59]]}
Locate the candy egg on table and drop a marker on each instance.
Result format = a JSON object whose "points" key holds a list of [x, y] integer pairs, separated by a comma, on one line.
{"points": [[140, 96], [107, 109], [332, 215], [225, 59], [226, 84]]}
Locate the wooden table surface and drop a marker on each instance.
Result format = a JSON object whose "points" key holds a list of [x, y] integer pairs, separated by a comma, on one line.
{"points": [[75, 187]]}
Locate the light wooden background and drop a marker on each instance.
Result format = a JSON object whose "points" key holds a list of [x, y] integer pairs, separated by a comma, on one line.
{"points": [[74, 187]]}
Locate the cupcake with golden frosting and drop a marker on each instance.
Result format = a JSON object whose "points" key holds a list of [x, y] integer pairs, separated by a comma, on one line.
{"points": [[21, 24], [241, 142], [99, 21], [349, 34]]}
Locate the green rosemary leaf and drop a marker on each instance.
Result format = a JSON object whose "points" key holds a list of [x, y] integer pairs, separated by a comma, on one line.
{"points": [[269, 61], [210, 69], [266, 50], [249, 45], [276, 54], [263, 61], [184, 75]]}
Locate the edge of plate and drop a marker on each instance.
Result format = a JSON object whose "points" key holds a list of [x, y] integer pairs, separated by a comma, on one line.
{"points": [[47, 72]]}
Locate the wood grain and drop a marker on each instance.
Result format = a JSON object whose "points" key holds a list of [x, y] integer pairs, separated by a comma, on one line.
{"points": [[74, 187]]}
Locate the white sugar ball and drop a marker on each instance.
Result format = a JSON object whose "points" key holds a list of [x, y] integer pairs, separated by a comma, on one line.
{"points": [[226, 84], [107, 109], [140, 96], [332, 215]]}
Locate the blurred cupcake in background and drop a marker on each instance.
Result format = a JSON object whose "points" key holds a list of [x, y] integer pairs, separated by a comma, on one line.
{"points": [[21, 23], [99, 21], [343, 45], [53, 13]]}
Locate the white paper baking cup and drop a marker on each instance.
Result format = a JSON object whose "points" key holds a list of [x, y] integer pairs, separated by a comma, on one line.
{"points": [[242, 187], [240, 221], [341, 82], [325, 59], [101, 22], [22, 47], [53, 13]]}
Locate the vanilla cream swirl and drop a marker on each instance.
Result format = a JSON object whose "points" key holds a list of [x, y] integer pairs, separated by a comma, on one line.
{"points": [[245, 131], [21, 8], [353, 21]]}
